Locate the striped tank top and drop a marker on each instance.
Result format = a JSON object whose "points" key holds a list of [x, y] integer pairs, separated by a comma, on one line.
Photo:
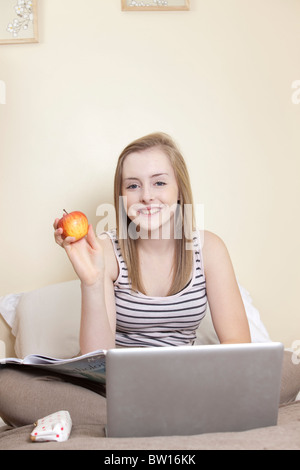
{"points": [[143, 321]]}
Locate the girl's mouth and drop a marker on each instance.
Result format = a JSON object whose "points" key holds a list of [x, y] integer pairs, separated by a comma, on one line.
{"points": [[149, 211]]}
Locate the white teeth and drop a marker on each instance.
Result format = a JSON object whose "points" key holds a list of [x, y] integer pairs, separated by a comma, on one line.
{"points": [[149, 211]]}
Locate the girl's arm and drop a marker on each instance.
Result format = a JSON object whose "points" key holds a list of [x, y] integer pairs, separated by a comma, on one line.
{"points": [[97, 327], [93, 267], [224, 298]]}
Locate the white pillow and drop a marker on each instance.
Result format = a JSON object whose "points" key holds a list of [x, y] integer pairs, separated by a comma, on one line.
{"points": [[8, 305], [258, 330], [47, 320], [206, 333]]}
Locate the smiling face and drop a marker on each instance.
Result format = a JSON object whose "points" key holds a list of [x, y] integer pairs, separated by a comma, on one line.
{"points": [[149, 189]]}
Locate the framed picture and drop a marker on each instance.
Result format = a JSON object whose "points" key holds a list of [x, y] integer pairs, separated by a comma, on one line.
{"points": [[155, 5], [18, 21]]}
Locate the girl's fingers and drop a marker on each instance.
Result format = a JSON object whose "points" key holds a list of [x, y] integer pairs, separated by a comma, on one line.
{"points": [[57, 233], [91, 238], [68, 241], [55, 223], [58, 236]]}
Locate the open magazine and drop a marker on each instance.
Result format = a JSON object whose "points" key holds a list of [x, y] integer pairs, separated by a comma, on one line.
{"points": [[89, 366]]}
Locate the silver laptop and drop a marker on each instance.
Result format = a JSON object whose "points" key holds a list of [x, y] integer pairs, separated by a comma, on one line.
{"points": [[192, 389]]}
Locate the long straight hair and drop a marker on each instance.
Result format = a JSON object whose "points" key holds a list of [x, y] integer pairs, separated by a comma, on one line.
{"points": [[184, 215]]}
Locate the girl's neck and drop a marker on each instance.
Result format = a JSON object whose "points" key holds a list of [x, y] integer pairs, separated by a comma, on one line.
{"points": [[157, 246], [158, 241]]}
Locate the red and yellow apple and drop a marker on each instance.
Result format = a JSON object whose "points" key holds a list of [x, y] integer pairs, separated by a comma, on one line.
{"points": [[74, 224]]}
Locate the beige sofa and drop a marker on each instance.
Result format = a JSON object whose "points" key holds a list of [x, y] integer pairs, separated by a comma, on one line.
{"points": [[46, 321]]}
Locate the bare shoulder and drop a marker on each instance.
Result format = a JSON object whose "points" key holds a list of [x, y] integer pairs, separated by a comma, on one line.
{"points": [[111, 264], [214, 249], [212, 241]]}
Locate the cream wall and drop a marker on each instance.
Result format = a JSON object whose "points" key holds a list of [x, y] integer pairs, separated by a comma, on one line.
{"points": [[217, 78]]}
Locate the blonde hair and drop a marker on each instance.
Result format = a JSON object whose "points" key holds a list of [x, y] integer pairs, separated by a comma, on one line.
{"points": [[183, 257]]}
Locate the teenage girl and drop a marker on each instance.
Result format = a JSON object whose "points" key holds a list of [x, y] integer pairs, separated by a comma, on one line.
{"points": [[147, 283]]}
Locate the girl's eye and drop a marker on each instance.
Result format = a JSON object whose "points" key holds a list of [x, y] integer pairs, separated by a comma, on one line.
{"points": [[135, 185]]}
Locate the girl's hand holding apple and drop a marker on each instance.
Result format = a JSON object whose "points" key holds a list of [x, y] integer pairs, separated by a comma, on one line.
{"points": [[86, 253], [82, 247]]}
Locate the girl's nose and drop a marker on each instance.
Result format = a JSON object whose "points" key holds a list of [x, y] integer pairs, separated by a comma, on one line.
{"points": [[147, 195]]}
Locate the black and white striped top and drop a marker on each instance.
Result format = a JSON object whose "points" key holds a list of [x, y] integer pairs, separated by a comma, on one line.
{"points": [[144, 321]]}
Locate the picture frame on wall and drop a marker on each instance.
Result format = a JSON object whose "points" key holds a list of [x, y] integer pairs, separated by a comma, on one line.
{"points": [[155, 5], [18, 21]]}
